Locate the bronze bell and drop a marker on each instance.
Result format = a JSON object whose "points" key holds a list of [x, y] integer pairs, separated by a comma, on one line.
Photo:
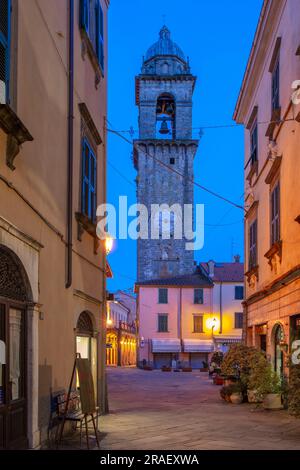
{"points": [[164, 128]]}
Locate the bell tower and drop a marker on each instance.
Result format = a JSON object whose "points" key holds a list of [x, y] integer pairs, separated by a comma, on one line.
{"points": [[164, 92]]}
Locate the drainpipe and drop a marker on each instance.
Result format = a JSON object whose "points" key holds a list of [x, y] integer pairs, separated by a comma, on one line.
{"points": [[70, 147], [180, 317], [221, 308]]}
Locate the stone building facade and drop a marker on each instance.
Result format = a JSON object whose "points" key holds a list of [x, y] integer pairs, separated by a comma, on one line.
{"points": [[53, 65], [164, 151], [268, 106]]}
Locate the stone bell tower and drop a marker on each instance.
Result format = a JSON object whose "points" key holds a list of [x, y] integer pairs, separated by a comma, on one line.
{"points": [[164, 92]]}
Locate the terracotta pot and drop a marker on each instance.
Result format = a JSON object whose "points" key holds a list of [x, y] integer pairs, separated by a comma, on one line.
{"points": [[227, 399], [273, 401], [253, 397], [218, 381], [236, 398]]}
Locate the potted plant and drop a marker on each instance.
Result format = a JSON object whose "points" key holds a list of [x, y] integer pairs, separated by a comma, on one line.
{"points": [[293, 395], [218, 380], [146, 366], [225, 393], [236, 393], [232, 393], [204, 367], [269, 386], [166, 369], [239, 363], [257, 373]]}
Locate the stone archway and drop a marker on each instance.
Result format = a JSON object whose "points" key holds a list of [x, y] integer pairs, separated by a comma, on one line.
{"points": [[86, 342], [15, 297]]}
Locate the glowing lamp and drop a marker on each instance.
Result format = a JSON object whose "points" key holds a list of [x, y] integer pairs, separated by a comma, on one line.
{"points": [[212, 323], [109, 243]]}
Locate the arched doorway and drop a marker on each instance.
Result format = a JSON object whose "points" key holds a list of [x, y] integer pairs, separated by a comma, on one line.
{"points": [[86, 343], [15, 294], [278, 353]]}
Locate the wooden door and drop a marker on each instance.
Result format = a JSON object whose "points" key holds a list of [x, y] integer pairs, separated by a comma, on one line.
{"points": [[13, 405]]}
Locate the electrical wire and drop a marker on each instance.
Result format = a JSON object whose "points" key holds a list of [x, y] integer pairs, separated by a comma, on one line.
{"points": [[209, 127], [173, 170]]}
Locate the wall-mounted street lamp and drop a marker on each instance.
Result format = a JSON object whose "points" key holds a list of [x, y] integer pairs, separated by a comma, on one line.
{"points": [[109, 244], [212, 324]]}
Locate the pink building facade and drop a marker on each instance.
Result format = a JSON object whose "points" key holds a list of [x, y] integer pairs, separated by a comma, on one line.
{"points": [[186, 318], [269, 107]]}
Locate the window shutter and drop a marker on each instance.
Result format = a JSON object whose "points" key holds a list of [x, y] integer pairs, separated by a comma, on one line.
{"points": [[100, 35], [84, 15], [5, 43], [84, 196]]}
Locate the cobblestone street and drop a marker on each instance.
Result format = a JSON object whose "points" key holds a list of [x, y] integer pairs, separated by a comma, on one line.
{"points": [[161, 411]]}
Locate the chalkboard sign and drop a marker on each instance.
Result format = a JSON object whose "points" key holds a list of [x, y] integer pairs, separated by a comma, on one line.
{"points": [[86, 384]]}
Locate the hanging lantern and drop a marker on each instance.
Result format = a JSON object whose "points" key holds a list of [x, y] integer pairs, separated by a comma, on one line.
{"points": [[164, 128]]}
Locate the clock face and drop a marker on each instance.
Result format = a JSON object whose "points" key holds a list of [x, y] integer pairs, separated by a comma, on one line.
{"points": [[165, 223]]}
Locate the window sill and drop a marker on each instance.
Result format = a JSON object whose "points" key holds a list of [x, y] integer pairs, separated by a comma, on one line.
{"points": [[274, 254], [274, 170], [89, 49], [253, 171], [252, 275], [275, 120], [85, 224], [16, 131]]}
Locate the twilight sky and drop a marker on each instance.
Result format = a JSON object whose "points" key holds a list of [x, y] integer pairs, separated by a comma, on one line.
{"points": [[217, 36]]}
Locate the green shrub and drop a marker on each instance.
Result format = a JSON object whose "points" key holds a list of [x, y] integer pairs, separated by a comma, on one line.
{"points": [[217, 358], [264, 379], [294, 390], [240, 360]]}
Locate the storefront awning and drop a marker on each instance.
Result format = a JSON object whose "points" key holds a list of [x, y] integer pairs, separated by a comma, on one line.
{"points": [[228, 339], [166, 346], [197, 346]]}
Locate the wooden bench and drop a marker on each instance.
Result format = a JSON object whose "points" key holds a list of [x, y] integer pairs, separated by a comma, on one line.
{"points": [[74, 414]]}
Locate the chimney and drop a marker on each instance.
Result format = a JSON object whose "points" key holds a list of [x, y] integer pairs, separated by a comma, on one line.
{"points": [[211, 268], [237, 258]]}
